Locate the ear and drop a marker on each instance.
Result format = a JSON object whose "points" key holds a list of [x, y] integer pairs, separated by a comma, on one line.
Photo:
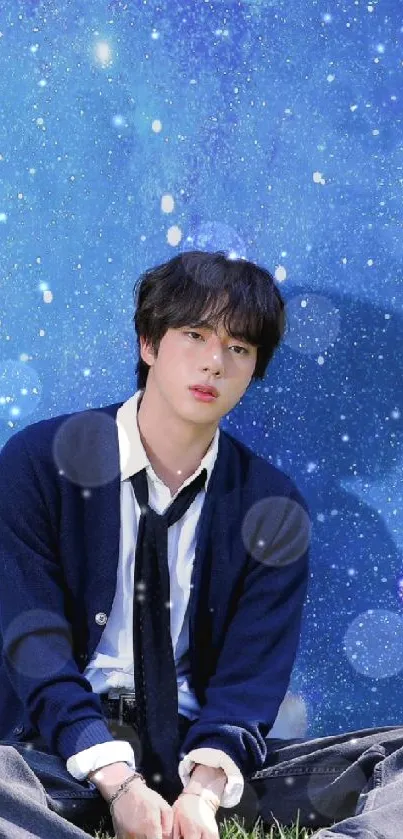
{"points": [[146, 351]]}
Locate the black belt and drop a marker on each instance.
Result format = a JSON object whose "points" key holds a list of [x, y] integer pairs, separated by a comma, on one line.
{"points": [[120, 706]]}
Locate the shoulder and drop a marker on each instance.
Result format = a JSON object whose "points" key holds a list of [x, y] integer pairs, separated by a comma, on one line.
{"points": [[38, 439], [260, 477]]}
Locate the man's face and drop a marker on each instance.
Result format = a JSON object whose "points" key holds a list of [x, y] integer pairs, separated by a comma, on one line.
{"points": [[198, 355]]}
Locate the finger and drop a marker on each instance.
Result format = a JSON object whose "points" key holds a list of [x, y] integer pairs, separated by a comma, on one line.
{"points": [[176, 832], [167, 821]]}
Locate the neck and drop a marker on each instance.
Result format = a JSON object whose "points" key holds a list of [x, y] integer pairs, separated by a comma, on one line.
{"points": [[173, 446]]}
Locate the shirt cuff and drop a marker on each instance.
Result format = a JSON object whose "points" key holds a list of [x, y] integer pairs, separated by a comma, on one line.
{"points": [[103, 754], [234, 787]]}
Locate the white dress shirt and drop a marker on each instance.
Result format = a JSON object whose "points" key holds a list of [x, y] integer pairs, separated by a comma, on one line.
{"points": [[112, 664]]}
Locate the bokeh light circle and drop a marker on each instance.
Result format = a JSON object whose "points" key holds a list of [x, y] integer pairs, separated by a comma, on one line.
{"points": [[38, 643], [276, 531], [373, 643], [313, 323], [85, 448], [328, 780], [213, 236]]}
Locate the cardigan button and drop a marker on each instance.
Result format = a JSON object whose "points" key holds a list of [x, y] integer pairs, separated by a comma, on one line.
{"points": [[101, 618]]}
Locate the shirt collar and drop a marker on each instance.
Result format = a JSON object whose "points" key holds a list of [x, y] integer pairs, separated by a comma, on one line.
{"points": [[132, 455]]}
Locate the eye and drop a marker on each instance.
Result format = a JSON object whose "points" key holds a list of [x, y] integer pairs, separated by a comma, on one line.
{"points": [[236, 346]]}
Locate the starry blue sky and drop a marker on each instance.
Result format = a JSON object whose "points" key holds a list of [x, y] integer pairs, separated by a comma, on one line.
{"points": [[131, 131]]}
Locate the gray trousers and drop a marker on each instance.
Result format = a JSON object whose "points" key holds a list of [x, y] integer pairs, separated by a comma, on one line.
{"points": [[348, 785]]}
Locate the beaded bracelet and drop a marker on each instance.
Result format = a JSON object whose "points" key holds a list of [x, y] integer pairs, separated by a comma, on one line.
{"points": [[124, 786]]}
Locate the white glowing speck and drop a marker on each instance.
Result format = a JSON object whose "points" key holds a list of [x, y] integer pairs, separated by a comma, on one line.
{"points": [[321, 360], [280, 273], [327, 18], [3, 217], [167, 203], [156, 126], [118, 121], [174, 235], [103, 52], [42, 83]]}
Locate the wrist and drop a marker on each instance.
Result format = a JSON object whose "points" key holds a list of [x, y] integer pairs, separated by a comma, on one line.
{"points": [[208, 778], [107, 779], [206, 794]]}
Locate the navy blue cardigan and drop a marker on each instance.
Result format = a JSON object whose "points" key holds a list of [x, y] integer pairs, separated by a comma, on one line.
{"points": [[59, 547]]}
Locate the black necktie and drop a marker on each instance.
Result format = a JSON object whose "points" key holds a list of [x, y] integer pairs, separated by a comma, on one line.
{"points": [[155, 681]]}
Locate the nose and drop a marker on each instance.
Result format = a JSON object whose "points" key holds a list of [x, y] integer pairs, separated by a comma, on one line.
{"points": [[214, 355]]}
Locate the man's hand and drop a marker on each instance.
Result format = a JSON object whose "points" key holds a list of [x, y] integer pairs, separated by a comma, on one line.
{"points": [[193, 818], [141, 812]]}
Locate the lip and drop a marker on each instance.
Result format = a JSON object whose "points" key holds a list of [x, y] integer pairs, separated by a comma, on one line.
{"points": [[202, 396], [205, 389]]}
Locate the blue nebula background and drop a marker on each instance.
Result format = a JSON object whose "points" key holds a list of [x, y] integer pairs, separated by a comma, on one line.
{"points": [[131, 131]]}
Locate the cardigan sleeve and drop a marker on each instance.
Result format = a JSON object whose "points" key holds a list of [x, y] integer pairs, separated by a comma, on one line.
{"points": [[233, 790], [36, 635], [243, 696]]}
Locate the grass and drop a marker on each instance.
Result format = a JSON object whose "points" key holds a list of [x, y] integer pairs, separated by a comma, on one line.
{"points": [[232, 829]]}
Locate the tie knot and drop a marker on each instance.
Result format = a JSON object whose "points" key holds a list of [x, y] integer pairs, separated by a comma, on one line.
{"points": [[178, 507]]}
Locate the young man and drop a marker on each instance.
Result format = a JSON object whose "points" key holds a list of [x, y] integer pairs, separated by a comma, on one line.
{"points": [[68, 504], [153, 572]]}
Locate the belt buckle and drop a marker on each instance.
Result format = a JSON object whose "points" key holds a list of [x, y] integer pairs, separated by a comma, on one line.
{"points": [[121, 695]]}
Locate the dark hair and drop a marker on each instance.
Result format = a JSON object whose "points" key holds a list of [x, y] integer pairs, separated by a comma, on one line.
{"points": [[199, 287]]}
